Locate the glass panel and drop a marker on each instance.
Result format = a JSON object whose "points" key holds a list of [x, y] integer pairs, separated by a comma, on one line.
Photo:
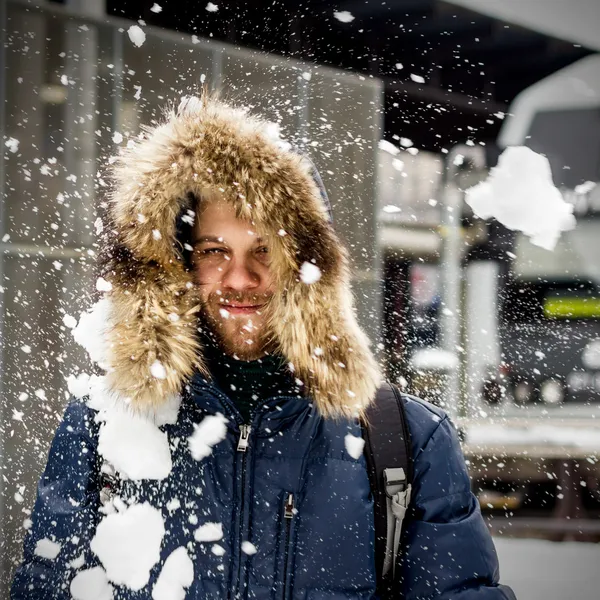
{"points": [[268, 86], [158, 72], [58, 102], [344, 130]]}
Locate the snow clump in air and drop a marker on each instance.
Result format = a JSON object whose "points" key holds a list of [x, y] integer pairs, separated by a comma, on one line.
{"points": [[388, 147], [136, 35], [157, 370], [102, 285], [354, 445], [521, 195], [585, 188], [79, 386], [209, 532], [128, 544], [210, 7], [176, 575], [344, 16], [309, 273], [91, 584], [156, 8], [207, 434], [90, 332], [69, 321], [133, 444], [12, 144], [47, 549], [248, 548]]}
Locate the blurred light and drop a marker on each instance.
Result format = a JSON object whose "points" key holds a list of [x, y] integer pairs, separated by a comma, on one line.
{"points": [[552, 392], [523, 391]]}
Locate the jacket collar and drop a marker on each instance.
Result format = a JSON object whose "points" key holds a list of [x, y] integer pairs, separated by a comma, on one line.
{"points": [[272, 414]]}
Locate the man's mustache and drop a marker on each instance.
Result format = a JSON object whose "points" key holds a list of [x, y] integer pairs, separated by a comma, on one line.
{"points": [[239, 298]]}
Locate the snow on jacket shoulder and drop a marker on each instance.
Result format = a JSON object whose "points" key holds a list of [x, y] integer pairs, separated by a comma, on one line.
{"points": [[325, 552]]}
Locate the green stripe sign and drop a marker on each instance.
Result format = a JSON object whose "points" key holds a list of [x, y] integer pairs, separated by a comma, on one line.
{"points": [[572, 308]]}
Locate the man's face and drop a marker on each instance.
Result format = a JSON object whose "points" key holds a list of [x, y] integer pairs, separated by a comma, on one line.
{"points": [[232, 270]]}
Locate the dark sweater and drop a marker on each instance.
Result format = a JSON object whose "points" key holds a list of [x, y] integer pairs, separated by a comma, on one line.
{"points": [[249, 383]]}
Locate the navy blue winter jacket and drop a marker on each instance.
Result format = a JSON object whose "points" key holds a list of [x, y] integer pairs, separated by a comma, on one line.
{"points": [[325, 551]]}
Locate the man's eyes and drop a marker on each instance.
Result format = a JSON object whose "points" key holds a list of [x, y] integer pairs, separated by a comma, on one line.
{"points": [[214, 251]]}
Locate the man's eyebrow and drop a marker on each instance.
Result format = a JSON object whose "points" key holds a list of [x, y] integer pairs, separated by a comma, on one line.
{"points": [[219, 240], [209, 238]]}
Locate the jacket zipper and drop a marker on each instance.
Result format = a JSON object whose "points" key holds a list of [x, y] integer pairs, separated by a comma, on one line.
{"points": [[288, 515], [244, 437], [242, 446]]}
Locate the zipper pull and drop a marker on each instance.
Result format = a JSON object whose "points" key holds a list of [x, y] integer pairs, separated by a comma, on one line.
{"points": [[289, 507], [244, 435]]}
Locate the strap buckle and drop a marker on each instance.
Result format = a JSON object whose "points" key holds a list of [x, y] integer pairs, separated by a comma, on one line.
{"points": [[394, 480]]}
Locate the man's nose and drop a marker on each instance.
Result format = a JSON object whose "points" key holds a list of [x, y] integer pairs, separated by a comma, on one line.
{"points": [[240, 275]]}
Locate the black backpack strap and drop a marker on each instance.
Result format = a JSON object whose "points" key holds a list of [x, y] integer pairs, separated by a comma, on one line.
{"points": [[389, 460]]}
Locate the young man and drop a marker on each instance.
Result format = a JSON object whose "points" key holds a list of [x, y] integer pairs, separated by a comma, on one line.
{"points": [[217, 458]]}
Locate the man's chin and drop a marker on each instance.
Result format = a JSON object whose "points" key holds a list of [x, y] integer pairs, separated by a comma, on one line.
{"points": [[235, 343], [242, 349]]}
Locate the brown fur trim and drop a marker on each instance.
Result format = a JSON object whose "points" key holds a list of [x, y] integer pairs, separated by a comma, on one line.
{"points": [[206, 144]]}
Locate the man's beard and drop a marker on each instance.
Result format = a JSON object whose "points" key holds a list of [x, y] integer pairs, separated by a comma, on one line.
{"points": [[243, 336]]}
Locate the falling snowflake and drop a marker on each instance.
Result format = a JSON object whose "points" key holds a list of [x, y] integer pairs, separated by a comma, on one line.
{"points": [[102, 285], [354, 445], [388, 147], [128, 544], [90, 584], [158, 370], [417, 78], [209, 532], [207, 434], [176, 575], [343, 16], [136, 35], [248, 548], [397, 164], [47, 549], [310, 273], [12, 144]]}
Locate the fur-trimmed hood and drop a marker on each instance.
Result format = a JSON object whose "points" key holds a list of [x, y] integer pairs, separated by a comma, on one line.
{"points": [[153, 337]]}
